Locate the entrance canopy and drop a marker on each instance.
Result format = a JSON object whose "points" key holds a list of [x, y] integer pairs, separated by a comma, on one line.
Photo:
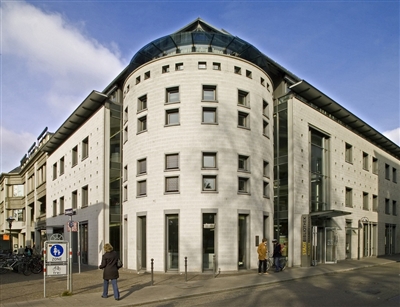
{"points": [[323, 215]]}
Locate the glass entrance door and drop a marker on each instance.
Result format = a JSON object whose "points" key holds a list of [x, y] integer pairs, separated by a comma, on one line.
{"points": [[330, 245], [141, 243], [242, 244], [172, 242], [208, 241]]}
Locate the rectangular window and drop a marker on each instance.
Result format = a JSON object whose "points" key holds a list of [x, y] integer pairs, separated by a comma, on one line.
{"points": [[387, 206], [209, 93], [387, 171], [142, 124], [375, 203], [365, 161], [237, 70], [172, 184], [262, 81], [125, 173], [172, 94], [265, 108], [54, 171], [202, 65], [266, 169], [126, 134], [74, 199], [209, 115], [243, 98], [85, 197], [243, 185], [61, 205], [142, 103], [209, 183], [394, 175], [54, 207], [137, 79], [394, 207], [179, 66], [243, 163], [349, 153], [125, 115], [216, 66], [209, 160], [248, 74], [141, 188], [349, 197], [75, 156], [266, 189], [265, 128], [172, 117], [142, 166], [172, 161], [165, 69], [125, 193], [365, 201], [243, 120], [85, 148], [375, 165], [62, 164], [147, 75]]}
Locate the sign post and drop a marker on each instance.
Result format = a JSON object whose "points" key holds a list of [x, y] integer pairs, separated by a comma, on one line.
{"points": [[70, 212]]}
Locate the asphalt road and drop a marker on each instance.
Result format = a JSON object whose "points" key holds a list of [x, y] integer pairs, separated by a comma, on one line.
{"points": [[373, 286]]}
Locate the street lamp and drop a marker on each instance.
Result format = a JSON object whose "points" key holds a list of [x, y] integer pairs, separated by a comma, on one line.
{"points": [[10, 219]]}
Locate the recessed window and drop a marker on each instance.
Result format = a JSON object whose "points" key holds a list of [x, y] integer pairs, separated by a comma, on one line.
{"points": [[165, 69], [142, 103], [125, 193], [85, 196], [265, 128], [248, 74], [349, 198], [265, 108], [394, 207], [243, 163], [237, 70], [209, 160], [216, 66], [142, 166], [365, 161], [394, 175], [243, 185], [243, 98], [125, 115], [147, 75], [126, 134], [74, 199], [54, 171], [75, 156], [125, 173], [54, 207], [172, 184], [387, 206], [374, 165], [202, 65], [138, 80], [387, 171], [209, 115], [209, 93], [209, 183], [172, 161], [262, 81], [375, 203], [365, 201], [243, 120], [172, 117], [85, 148], [179, 66], [266, 192], [349, 153], [172, 94], [142, 123], [61, 205], [266, 169], [62, 166], [141, 188]]}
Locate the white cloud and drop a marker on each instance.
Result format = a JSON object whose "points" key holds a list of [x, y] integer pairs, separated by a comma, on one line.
{"points": [[393, 135]]}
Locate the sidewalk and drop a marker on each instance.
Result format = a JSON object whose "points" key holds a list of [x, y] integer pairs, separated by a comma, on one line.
{"points": [[136, 289]]}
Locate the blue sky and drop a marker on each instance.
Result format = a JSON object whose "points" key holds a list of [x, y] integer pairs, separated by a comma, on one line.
{"points": [[54, 53]]}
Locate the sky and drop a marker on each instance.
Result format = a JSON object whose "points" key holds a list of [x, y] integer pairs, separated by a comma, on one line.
{"points": [[54, 53]]}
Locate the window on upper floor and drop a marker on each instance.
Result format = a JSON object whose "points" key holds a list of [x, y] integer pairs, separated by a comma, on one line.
{"points": [[202, 65], [374, 165], [387, 206], [394, 175], [349, 197], [125, 174], [85, 148], [365, 201], [394, 207], [238, 70], [62, 166], [262, 81], [266, 189], [142, 124], [265, 108], [85, 197], [172, 95], [375, 203], [387, 171], [165, 69], [266, 169], [126, 134], [142, 188], [243, 120], [147, 75], [54, 207], [209, 183], [265, 128], [54, 171], [172, 161], [179, 66], [125, 115], [243, 98], [172, 117], [216, 66], [249, 74], [142, 103], [61, 203], [209, 160], [125, 193], [243, 185], [142, 166], [209, 93], [209, 115], [365, 158], [137, 79], [74, 199], [243, 163], [75, 156], [172, 184], [349, 153]]}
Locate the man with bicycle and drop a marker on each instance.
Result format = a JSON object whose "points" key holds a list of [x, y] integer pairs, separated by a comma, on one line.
{"points": [[277, 255]]}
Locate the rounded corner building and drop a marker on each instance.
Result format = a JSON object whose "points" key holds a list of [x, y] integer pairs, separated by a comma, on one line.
{"points": [[203, 146]]}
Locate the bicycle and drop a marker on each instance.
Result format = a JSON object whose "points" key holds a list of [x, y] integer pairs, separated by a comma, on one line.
{"points": [[14, 263], [271, 263]]}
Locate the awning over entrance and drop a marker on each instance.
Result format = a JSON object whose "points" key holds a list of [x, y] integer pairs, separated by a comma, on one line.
{"points": [[328, 214]]}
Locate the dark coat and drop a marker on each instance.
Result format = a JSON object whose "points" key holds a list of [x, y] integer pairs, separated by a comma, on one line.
{"points": [[109, 265]]}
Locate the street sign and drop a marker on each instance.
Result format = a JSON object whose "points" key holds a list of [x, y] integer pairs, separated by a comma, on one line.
{"points": [[57, 269], [69, 212], [57, 252]]}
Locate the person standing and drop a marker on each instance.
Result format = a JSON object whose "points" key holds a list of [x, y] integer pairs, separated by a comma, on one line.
{"points": [[262, 256], [110, 270], [277, 255]]}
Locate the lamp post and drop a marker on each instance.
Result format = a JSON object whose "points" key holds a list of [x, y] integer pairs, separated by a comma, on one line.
{"points": [[10, 220], [361, 222]]}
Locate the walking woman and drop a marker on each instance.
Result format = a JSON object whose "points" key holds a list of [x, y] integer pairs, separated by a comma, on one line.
{"points": [[110, 270]]}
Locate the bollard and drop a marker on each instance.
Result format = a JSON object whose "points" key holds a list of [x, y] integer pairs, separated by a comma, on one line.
{"points": [[152, 266], [214, 266], [185, 268]]}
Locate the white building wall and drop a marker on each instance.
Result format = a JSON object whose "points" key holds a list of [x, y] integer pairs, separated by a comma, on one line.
{"points": [[190, 138], [88, 172]]}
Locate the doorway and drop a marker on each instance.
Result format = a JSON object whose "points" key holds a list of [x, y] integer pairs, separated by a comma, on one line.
{"points": [[172, 240], [141, 243], [208, 241], [242, 241], [331, 240]]}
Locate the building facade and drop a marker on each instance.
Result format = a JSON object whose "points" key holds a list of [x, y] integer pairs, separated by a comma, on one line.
{"points": [[201, 147]]}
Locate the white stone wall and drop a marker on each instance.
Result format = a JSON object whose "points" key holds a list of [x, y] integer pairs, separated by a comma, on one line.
{"points": [[190, 138], [90, 172]]}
